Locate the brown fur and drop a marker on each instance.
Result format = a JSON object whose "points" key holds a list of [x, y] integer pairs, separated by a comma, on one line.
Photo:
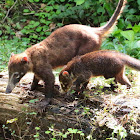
{"points": [[100, 63], [56, 50]]}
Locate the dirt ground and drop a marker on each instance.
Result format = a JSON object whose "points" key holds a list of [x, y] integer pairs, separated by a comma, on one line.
{"points": [[100, 111]]}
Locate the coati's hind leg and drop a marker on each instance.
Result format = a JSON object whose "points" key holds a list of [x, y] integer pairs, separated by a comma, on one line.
{"points": [[121, 78]]}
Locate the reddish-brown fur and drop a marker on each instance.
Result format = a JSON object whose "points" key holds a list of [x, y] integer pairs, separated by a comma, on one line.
{"points": [[99, 63], [56, 50]]}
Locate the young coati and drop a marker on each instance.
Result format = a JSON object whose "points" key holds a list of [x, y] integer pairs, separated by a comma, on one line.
{"points": [[56, 50], [98, 63]]}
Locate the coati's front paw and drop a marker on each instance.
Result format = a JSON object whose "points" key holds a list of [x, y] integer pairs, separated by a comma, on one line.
{"points": [[42, 105]]}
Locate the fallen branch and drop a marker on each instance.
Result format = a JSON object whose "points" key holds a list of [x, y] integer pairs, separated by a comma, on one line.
{"points": [[9, 11]]}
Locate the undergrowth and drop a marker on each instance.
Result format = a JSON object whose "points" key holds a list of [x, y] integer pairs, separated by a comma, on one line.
{"points": [[110, 120]]}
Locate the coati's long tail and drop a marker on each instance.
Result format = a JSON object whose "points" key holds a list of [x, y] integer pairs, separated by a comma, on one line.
{"points": [[106, 29], [130, 61]]}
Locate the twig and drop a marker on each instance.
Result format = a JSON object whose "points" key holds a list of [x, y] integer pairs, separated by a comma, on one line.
{"points": [[9, 11], [29, 6], [28, 14]]}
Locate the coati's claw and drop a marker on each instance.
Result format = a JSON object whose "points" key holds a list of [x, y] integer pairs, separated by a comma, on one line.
{"points": [[57, 87], [41, 106]]}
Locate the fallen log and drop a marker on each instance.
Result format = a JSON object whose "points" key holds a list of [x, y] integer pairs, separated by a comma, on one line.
{"points": [[19, 111]]}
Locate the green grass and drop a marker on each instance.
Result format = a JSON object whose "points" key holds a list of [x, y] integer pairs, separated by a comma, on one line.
{"points": [[11, 46]]}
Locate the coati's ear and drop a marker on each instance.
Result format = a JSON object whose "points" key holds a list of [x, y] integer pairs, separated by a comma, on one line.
{"points": [[65, 73], [24, 59], [12, 54]]}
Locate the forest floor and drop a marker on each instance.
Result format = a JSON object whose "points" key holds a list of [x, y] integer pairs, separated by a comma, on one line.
{"points": [[100, 112]]}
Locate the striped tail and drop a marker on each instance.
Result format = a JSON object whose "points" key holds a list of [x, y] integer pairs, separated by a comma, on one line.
{"points": [[107, 28]]}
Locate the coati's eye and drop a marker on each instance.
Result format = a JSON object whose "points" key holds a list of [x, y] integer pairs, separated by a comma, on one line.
{"points": [[65, 84], [22, 74], [16, 75]]}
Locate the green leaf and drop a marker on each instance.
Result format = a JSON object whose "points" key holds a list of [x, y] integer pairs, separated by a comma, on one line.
{"points": [[36, 24], [49, 8], [47, 22], [38, 29], [121, 24], [42, 20], [33, 113], [95, 93], [81, 13], [76, 111], [136, 28], [138, 1], [64, 136], [101, 10], [0, 32], [129, 26], [33, 101], [75, 131], [9, 2], [12, 120], [31, 0], [26, 10], [37, 128], [28, 123], [79, 2], [18, 25], [59, 24], [132, 11], [47, 33], [128, 35], [137, 44], [47, 132], [87, 4], [36, 0], [72, 130], [35, 136]]}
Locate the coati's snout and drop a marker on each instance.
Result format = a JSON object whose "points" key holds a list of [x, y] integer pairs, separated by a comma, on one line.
{"points": [[14, 78], [65, 81]]}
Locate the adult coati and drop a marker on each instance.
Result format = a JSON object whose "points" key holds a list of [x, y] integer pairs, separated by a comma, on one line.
{"points": [[56, 50], [98, 63]]}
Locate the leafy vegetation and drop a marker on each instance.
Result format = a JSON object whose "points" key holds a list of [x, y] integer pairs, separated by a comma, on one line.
{"points": [[125, 41], [51, 133], [9, 46]]}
